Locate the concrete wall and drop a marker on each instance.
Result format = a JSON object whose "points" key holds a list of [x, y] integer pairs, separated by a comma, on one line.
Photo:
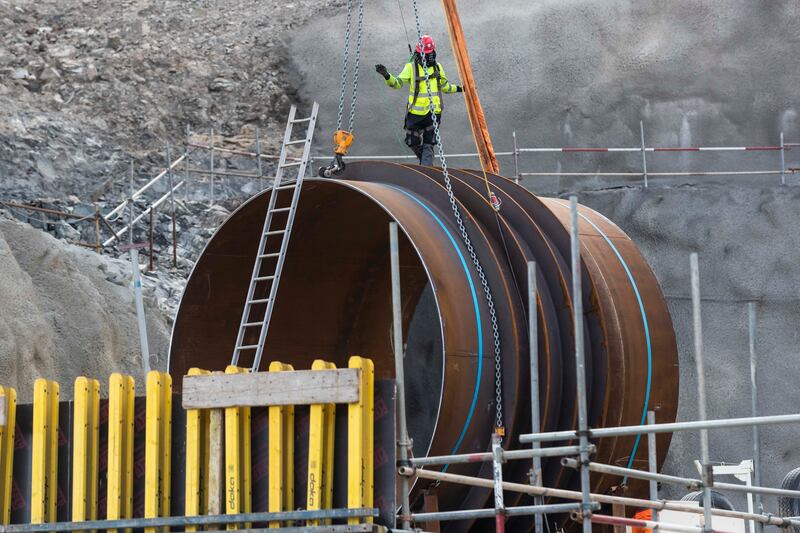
{"points": [[582, 73]]}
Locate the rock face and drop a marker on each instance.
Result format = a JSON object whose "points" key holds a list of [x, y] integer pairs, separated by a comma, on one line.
{"points": [[748, 252], [92, 84], [67, 312]]}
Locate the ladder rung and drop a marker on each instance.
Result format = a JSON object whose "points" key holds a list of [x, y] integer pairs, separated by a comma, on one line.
{"points": [[281, 209], [299, 141], [292, 164], [251, 324], [248, 347], [276, 232], [264, 278], [301, 120], [264, 256], [290, 186], [261, 301]]}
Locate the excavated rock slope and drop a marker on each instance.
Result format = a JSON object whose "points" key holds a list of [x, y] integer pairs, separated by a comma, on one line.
{"points": [[66, 312], [86, 85]]}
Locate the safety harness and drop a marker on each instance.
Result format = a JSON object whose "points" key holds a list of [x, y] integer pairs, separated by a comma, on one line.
{"points": [[417, 82]]}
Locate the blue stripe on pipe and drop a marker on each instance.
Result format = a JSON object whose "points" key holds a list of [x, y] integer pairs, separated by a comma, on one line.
{"points": [[477, 321], [646, 334]]}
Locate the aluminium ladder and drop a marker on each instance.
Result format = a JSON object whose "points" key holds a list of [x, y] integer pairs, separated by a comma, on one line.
{"points": [[274, 242]]}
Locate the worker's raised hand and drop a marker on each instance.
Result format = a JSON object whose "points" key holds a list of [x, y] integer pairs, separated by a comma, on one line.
{"points": [[380, 69], [459, 89]]}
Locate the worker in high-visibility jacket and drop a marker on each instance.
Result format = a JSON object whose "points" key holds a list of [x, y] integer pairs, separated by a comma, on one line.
{"points": [[420, 135]]}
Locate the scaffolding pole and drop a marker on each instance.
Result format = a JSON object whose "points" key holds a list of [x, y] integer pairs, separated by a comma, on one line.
{"points": [[708, 475], [751, 327], [624, 431], [533, 348], [403, 442], [597, 498]]}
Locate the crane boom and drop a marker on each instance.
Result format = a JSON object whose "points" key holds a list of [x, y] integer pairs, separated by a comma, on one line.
{"points": [[477, 120]]}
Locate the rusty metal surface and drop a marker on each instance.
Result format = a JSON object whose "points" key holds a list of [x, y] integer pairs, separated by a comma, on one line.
{"points": [[334, 301]]}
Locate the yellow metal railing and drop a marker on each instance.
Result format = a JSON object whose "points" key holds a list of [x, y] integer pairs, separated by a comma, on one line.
{"points": [[85, 450], [196, 458], [238, 459], [121, 398], [281, 453], [361, 431], [218, 451], [158, 443], [321, 433], [7, 452], [44, 466]]}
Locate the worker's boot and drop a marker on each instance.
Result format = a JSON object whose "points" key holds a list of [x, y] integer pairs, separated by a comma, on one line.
{"points": [[426, 155]]}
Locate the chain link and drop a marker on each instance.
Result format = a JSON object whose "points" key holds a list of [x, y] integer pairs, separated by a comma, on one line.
{"points": [[344, 63], [498, 367], [359, 40]]}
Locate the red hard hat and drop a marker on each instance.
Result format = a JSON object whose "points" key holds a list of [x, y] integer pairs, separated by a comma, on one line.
{"points": [[426, 45]]}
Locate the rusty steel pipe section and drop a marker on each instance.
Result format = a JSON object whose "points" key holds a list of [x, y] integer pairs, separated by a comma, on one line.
{"points": [[335, 301]]}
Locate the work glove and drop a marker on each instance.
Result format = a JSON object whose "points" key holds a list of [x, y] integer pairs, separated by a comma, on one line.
{"points": [[459, 89], [380, 69]]}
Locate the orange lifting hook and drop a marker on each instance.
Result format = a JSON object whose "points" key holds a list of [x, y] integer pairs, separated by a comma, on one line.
{"points": [[342, 140]]}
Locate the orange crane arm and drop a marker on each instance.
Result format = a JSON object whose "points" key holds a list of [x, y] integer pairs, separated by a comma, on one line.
{"points": [[477, 120]]}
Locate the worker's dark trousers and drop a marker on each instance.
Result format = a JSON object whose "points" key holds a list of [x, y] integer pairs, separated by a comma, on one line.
{"points": [[426, 155], [421, 137]]}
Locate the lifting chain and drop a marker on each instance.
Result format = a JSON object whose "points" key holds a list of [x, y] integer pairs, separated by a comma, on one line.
{"points": [[498, 367], [359, 41], [345, 59], [343, 139]]}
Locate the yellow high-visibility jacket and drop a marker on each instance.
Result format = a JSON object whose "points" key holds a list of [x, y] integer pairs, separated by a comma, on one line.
{"points": [[413, 76]]}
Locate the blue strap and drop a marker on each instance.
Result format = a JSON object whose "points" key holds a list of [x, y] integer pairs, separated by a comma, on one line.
{"points": [[477, 322], [646, 334]]}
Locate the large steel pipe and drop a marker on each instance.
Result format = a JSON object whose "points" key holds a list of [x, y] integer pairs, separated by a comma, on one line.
{"points": [[334, 301]]}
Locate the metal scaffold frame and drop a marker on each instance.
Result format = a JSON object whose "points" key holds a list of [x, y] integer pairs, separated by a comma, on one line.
{"points": [[586, 504], [643, 149]]}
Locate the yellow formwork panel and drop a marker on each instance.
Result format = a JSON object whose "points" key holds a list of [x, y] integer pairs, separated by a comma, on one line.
{"points": [[330, 430], [121, 397], [7, 453], [281, 453], [322, 425], [196, 458], [158, 426], [85, 449], [238, 461], [44, 467], [369, 436], [129, 426], [165, 469], [360, 437]]}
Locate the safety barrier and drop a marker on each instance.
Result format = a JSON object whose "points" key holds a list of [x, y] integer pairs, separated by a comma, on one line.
{"points": [[197, 455], [8, 410], [158, 446], [281, 452], [85, 452], [121, 398], [44, 468], [360, 416], [238, 458], [103, 441], [321, 434]]}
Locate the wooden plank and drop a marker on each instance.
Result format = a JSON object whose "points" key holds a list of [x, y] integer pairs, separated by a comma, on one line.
{"points": [[302, 387], [216, 461]]}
